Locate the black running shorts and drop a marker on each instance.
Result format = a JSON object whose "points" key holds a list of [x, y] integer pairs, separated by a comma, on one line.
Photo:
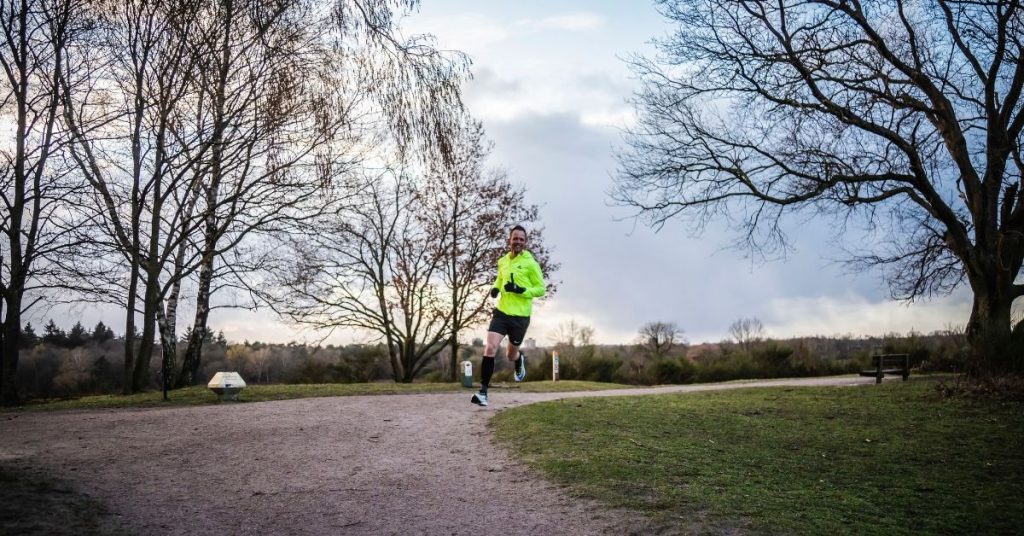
{"points": [[513, 326]]}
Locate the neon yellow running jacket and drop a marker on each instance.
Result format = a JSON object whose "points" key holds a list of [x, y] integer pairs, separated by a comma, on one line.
{"points": [[526, 271]]}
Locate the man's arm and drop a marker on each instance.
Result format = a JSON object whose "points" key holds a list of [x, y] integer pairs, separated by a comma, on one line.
{"points": [[537, 286], [495, 289]]}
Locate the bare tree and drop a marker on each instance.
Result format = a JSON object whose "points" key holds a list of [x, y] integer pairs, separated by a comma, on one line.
{"points": [[468, 211], [310, 75], [417, 86], [406, 260], [230, 112], [125, 114], [901, 117], [35, 38], [572, 334], [747, 332], [658, 338], [371, 267], [278, 103]]}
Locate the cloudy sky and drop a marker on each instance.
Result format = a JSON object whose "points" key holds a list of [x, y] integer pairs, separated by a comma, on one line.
{"points": [[551, 86], [552, 89]]}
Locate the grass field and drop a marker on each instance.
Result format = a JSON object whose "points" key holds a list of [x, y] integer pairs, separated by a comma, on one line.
{"points": [[199, 395], [888, 459]]}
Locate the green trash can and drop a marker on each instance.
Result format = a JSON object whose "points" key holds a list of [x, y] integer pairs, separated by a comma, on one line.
{"points": [[467, 373]]}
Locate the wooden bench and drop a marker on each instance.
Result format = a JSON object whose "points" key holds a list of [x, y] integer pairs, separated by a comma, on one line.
{"points": [[888, 364]]}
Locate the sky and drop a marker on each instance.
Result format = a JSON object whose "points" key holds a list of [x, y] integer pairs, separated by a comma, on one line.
{"points": [[551, 85]]}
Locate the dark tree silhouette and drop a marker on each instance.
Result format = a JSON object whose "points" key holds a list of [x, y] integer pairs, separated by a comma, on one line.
{"points": [[658, 338], [902, 117]]}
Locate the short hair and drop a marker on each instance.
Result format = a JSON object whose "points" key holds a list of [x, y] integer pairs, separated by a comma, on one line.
{"points": [[518, 227]]}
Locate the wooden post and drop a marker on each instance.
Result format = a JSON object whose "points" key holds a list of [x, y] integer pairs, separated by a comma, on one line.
{"points": [[554, 366]]}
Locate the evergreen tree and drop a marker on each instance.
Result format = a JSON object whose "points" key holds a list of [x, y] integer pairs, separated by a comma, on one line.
{"points": [[101, 333], [52, 334], [28, 336], [77, 336]]}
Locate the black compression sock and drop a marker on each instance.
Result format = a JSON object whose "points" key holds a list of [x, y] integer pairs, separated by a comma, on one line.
{"points": [[486, 371]]}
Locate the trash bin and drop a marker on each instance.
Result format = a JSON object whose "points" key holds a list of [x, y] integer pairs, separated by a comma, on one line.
{"points": [[467, 373]]}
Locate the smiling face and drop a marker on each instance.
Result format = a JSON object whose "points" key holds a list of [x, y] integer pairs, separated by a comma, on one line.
{"points": [[517, 241]]}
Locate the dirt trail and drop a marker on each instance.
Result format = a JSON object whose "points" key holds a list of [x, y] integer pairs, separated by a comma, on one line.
{"points": [[408, 464]]}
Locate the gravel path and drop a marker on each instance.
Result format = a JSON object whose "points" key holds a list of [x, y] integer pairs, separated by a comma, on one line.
{"points": [[408, 464]]}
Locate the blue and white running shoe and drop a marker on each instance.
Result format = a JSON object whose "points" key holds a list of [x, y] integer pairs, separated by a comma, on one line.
{"points": [[479, 399], [520, 367]]}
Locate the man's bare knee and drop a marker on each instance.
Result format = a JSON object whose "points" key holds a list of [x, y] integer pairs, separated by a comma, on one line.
{"points": [[493, 342]]}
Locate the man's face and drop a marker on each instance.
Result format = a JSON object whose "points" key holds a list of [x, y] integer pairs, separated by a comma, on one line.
{"points": [[517, 241]]}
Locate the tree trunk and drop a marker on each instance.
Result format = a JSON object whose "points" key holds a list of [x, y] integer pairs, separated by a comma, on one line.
{"points": [[408, 355], [454, 267], [151, 301], [194, 351], [168, 345], [2, 358], [454, 359], [16, 285], [396, 364], [129, 330], [989, 334], [140, 372], [11, 348]]}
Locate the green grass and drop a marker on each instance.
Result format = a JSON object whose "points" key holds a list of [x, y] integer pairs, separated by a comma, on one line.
{"points": [[199, 395], [887, 459]]}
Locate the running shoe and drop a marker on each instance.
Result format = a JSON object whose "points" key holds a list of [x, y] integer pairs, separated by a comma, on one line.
{"points": [[479, 399], [520, 367]]}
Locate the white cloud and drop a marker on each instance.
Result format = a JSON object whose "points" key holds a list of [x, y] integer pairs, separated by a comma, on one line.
{"points": [[466, 32], [549, 90], [856, 315], [783, 318], [610, 117], [571, 22], [549, 316]]}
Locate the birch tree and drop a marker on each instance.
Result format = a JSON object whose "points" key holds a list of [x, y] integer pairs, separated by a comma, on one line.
{"points": [[126, 116]]}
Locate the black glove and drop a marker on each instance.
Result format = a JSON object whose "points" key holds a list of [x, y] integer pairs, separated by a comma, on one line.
{"points": [[511, 286], [494, 292]]}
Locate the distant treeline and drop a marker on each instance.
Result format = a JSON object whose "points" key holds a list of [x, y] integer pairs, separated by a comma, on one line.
{"points": [[59, 364], [768, 358]]}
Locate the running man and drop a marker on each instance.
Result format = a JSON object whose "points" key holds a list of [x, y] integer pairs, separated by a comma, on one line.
{"points": [[519, 281]]}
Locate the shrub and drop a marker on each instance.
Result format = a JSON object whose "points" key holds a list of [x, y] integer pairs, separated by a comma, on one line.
{"points": [[773, 359], [600, 368], [732, 367], [679, 370]]}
